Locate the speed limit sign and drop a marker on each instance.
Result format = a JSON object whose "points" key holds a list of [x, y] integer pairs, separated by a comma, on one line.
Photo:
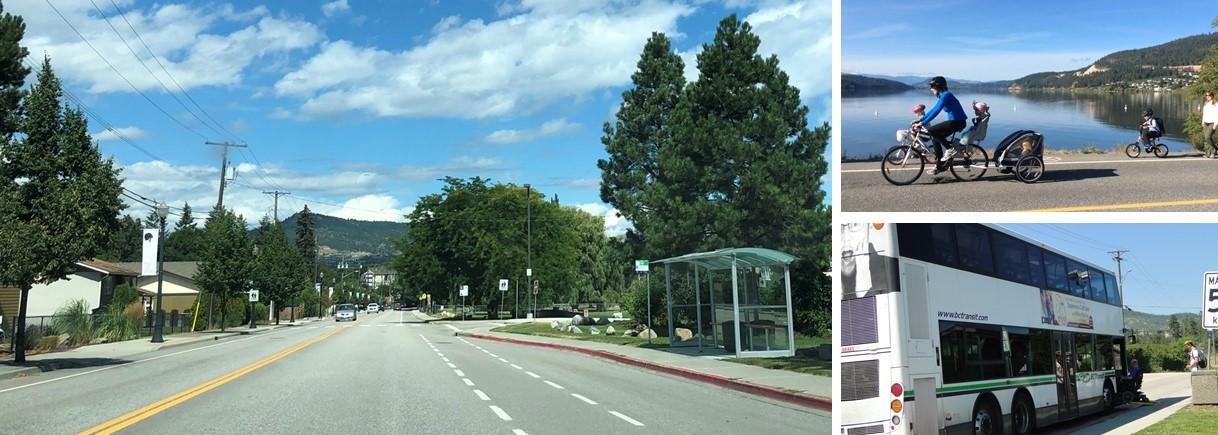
{"points": [[1209, 290]]}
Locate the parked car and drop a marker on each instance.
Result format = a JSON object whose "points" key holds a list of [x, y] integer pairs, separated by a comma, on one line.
{"points": [[345, 312], [373, 308]]}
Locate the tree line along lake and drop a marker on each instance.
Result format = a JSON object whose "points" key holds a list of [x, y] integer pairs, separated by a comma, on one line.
{"points": [[1070, 120]]}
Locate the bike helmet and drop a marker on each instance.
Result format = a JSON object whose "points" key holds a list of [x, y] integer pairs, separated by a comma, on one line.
{"points": [[919, 107], [1148, 112], [938, 82], [981, 107]]}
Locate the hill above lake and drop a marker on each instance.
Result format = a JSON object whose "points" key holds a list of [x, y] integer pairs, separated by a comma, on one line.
{"points": [[1165, 66]]}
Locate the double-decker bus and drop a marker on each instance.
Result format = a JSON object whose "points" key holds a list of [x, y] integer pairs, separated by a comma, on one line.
{"points": [[971, 329]]}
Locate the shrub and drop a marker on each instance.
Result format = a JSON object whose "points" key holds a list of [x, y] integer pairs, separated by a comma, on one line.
{"points": [[74, 318], [1164, 357], [634, 302]]}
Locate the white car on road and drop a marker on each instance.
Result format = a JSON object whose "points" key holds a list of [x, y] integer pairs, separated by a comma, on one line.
{"points": [[373, 308], [344, 312]]}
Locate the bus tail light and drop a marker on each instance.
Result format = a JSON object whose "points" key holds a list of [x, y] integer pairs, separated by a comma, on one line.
{"points": [[897, 390], [896, 406]]}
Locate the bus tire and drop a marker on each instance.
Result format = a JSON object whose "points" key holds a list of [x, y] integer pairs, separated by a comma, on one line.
{"points": [[1023, 414], [987, 417], [1110, 397]]}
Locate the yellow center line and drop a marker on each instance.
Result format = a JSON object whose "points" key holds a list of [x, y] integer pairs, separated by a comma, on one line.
{"points": [[1131, 205], [133, 417]]}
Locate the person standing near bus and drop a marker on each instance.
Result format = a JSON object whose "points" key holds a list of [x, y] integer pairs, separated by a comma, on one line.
{"points": [[1194, 356], [1209, 122]]}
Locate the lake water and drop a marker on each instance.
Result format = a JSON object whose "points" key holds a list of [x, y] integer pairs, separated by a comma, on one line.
{"points": [[1068, 120]]}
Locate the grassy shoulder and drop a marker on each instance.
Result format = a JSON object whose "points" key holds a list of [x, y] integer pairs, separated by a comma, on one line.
{"points": [[544, 330], [804, 361], [1188, 420]]}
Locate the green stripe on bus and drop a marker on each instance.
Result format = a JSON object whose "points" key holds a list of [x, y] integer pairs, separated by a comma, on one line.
{"points": [[982, 385]]}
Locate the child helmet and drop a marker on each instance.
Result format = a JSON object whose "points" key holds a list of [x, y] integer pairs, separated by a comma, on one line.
{"points": [[919, 107], [981, 107]]}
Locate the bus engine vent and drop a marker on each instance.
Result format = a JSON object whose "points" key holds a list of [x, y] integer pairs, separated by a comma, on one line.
{"points": [[866, 430], [864, 379], [858, 321]]}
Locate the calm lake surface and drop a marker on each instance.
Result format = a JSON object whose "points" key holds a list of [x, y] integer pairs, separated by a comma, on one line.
{"points": [[1068, 120]]}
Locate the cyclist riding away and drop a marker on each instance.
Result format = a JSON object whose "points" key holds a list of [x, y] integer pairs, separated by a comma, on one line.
{"points": [[1150, 128], [956, 120]]}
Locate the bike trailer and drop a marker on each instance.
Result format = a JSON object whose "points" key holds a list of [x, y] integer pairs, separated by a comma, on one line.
{"points": [[1019, 144]]}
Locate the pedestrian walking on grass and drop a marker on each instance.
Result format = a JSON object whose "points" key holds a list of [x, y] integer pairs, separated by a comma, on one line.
{"points": [[1209, 122]]}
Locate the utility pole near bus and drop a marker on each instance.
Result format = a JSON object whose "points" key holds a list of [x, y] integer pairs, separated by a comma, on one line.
{"points": [[276, 194], [1117, 256]]}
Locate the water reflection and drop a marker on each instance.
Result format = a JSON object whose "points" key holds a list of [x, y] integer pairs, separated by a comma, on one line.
{"points": [[1069, 120]]}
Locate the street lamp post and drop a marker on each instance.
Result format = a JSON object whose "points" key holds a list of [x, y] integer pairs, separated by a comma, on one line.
{"points": [[158, 326]]}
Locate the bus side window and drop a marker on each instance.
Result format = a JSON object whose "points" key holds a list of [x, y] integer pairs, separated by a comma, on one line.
{"points": [[1055, 272], [1020, 361], [1041, 352]]}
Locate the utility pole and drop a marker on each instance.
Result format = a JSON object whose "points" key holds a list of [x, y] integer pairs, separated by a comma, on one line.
{"points": [[224, 168], [1117, 256], [276, 194], [528, 206]]}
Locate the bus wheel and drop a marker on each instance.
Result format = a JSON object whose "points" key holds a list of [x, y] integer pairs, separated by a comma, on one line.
{"points": [[1110, 397], [987, 419], [1023, 417]]}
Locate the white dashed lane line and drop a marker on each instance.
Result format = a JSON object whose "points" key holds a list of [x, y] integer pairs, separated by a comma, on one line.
{"points": [[482, 395], [517, 367], [554, 385], [535, 375], [504, 415], [468, 382], [454, 328], [459, 373], [585, 399], [519, 432], [627, 418], [452, 366]]}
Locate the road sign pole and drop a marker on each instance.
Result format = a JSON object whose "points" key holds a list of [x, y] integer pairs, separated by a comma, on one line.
{"points": [[649, 329]]}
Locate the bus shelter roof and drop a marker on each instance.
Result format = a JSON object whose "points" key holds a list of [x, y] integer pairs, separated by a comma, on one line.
{"points": [[744, 257]]}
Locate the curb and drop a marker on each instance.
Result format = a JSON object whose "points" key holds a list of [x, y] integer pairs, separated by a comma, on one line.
{"points": [[802, 399], [172, 344]]}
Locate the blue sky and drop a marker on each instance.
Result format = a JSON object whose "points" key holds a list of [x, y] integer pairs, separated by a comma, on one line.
{"points": [[364, 104], [1001, 40], [1163, 269]]}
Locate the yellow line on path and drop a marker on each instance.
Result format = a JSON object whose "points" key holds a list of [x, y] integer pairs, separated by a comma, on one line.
{"points": [[138, 415], [1131, 205]]}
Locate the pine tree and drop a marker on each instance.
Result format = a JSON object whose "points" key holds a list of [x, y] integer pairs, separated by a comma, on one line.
{"points": [[1173, 326], [306, 236], [59, 199], [187, 220], [153, 221], [12, 73], [278, 271], [641, 128]]}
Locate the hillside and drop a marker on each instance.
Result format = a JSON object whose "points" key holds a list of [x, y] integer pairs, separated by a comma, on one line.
{"points": [[856, 85], [347, 238], [1146, 322], [1164, 66]]}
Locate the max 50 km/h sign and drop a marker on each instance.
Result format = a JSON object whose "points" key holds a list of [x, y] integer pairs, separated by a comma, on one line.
{"points": [[1209, 300]]}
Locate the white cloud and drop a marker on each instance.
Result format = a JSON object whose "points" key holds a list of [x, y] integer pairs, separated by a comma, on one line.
{"points": [[615, 224], [550, 128], [990, 65], [187, 40], [478, 69], [371, 207], [800, 34], [335, 7], [131, 133]]}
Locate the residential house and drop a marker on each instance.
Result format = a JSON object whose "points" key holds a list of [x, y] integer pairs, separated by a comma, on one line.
{"points": [[379, 276], [93, 280], [179, 291]]}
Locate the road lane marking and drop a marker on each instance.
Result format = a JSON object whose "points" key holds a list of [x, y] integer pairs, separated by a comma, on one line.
{"points": [[440, 354], [535, 375], [519, 432], [454, 328], [555, 385], [585, 399], [1130, 205], [133, 417], [504, 361], [481, 395], [500, 413], [459, 373], [120, 365], [517, 367], [452, 366], [444, 358], [468, 382], [1048, 163], [627, 418]]}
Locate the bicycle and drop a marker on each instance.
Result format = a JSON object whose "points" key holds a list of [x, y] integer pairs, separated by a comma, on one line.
{"points": [[1152, 145], [968, 163]]}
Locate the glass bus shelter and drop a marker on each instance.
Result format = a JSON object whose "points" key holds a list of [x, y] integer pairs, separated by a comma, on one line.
{"points": [[736, 299]]}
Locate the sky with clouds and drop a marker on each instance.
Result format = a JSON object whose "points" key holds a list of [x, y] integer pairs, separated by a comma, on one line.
{"points": [[358, 106], [1006, 40]]}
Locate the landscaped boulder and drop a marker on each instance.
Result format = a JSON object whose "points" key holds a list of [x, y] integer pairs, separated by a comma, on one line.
{"points": [[574, 330], [579, 319], [617, 315], [592, 330], [610, 330], [648, 333], [600, 321], [554, 324], [684, 334]]}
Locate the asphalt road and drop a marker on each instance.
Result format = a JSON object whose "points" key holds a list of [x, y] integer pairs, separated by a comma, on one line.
{"points": [[1106, 182], [387, 373]]}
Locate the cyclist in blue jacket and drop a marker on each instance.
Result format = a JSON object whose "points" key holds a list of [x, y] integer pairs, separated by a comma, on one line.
{"points": [[956, 121]]}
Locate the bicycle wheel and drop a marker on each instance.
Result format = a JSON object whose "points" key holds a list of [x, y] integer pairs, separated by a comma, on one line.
{"points": [[970, 163], [1160, 151], [1029, 169], [902, 165], [1133, 150]]}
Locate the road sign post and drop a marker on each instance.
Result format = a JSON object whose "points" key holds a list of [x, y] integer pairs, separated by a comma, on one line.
{"points": [[1209, 301], [536, 291], [464, 293], [503, 288], [644, 267]]}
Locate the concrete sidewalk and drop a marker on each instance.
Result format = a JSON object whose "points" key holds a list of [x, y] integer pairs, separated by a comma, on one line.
{"points": [[804, 389], [120, 351]]}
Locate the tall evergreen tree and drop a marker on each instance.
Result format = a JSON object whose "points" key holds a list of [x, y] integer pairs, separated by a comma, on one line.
{"points": [[59, 199], [153, 221], [187, 220], [1173, 326], [641, 128], [278, 271], [185, 243], [12, 73], [125, 243], [306, 236], [224, 269]]}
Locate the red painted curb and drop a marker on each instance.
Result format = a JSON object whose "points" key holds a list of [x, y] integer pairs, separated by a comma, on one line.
{"points": [[808, 400]]}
